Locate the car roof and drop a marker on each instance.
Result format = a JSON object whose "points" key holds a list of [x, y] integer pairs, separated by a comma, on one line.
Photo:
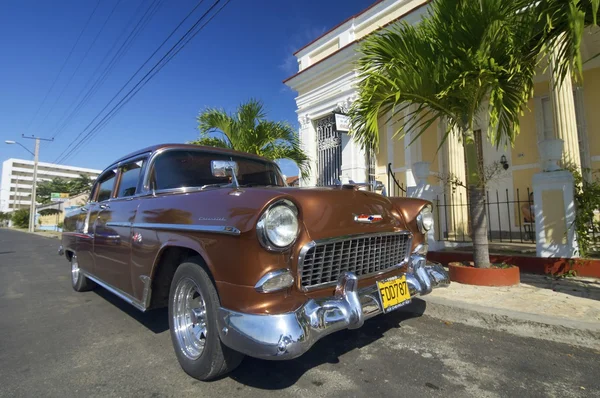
{"points": [[158, 147]]}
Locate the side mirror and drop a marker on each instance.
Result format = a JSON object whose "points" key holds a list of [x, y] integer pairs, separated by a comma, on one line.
{"points": [[224, 168]]}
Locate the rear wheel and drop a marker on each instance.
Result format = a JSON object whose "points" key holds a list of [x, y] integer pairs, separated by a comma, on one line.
{"points": [[193, 310], [79, 282]]}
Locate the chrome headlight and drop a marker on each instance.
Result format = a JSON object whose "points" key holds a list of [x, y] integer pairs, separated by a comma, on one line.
{"points": [[277, 228], [425, 219]]}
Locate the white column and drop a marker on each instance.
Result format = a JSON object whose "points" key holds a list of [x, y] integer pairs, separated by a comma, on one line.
{"points": [[354, 161], [412, 152], [565, 120], [389, 136], [554, 214], [308, 138], [458, 215], [425, 191], [554, 205]]}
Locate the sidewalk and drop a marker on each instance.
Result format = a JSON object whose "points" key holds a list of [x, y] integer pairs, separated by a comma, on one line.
{"points": [[564, 310], [47, 234]]}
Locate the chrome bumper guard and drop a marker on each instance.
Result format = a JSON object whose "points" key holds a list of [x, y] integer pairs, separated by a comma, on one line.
{"points": [[289, 335]]}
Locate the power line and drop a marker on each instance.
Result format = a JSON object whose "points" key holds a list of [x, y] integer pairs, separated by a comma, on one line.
{"points": [[63, 66], [128, 81], [81, 61], [104, 122], [140, 25], [144, 80], [111, 114]]}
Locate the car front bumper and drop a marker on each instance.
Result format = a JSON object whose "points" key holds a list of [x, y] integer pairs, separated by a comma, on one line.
{"points": [[289, 335]]}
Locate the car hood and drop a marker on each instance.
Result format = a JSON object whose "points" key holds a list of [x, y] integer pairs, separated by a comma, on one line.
{"points": [[328, 212]]}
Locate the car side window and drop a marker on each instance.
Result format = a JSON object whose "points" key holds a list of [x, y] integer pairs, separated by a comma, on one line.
{"points": [[106, 186], [130, 174], [92, 197]]}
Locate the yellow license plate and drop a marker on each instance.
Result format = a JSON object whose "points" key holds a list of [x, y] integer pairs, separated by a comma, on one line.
{"points": [[393, 292]]}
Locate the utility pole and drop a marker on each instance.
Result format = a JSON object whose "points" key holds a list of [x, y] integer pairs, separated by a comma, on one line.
{"points": [[33, 186]]}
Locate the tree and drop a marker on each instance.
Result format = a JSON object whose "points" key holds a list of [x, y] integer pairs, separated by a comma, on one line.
{"points": [[45, 188], [4, 216], [72, 187], [247, 130], [464, 58], [80, 184], [20, 218]]}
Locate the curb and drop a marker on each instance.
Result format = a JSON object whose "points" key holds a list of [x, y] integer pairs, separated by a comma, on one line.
{"points": [[561, 330]]}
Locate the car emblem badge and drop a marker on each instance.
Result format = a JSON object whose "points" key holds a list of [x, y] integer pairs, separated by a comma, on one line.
{"points": [[137, 237], [367, 218]]}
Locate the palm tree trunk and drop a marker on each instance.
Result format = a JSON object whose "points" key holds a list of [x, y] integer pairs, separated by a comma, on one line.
{"points": [[477, 214], [481, 254]]}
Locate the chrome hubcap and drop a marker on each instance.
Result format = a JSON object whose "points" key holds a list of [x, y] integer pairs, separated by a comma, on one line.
{"points": [[74, 269], [189, 318]]}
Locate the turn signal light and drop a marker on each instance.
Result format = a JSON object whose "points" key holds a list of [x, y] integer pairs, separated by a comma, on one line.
{"points": [[275, 281]]}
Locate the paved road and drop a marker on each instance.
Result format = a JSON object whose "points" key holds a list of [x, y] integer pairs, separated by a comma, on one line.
{"points": [[55, 342]]}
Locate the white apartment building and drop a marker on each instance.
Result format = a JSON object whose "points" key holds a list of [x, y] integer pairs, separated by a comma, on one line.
{"points": [[17, 177]]}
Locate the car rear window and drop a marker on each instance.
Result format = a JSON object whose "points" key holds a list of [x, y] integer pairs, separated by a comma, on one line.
{"points": [[178, 169]]}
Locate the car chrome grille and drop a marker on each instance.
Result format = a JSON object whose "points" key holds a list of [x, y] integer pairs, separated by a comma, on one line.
{"points": [[322, 262]]}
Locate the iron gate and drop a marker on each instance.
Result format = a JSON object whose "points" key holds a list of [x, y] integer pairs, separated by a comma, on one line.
{"points": [[329, 151]]}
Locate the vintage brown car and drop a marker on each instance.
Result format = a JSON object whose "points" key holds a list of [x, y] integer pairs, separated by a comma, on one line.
{"points": [[245, 264]]}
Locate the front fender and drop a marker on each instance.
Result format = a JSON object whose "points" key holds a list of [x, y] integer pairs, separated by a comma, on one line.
{"points": [[410, 208]]}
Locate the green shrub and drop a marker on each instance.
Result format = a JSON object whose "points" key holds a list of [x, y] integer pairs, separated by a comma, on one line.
{"points": [[20, 218], [587, 202]]}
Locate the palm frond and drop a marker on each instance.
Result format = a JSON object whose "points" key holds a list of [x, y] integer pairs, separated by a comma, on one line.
{"points": [[212, 141], [247, 130], [462, 59]]}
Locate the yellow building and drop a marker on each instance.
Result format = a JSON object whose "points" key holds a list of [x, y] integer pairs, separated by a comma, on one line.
{"points": [[326, 85], [51, 215]]}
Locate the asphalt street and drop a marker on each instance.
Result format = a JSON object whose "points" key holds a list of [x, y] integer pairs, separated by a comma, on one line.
{"points": [[55, 342]]}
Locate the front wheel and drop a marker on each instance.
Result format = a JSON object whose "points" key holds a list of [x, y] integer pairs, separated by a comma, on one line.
{"points": [[193, 309], [79, 282]]}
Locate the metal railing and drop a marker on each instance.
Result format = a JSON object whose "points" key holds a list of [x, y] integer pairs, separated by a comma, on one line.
{"points": [[509, 219], [394, 188]]}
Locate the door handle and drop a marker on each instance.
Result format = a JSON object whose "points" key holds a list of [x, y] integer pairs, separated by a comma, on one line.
{"points": [[83, 209], [104, 206]]}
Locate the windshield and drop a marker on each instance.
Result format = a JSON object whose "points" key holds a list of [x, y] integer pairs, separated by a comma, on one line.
{"points": [[189, 168]]}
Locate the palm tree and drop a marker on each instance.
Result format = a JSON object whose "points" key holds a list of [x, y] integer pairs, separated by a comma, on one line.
{"points": [[464, 58], [247, 130], [560, 27]]}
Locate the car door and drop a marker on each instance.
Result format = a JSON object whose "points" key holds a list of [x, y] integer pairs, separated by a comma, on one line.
{"points": [[112, 228], [84, 242]]}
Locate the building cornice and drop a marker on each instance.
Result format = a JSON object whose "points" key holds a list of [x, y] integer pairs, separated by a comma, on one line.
{"points": [[324, 67], [326, 37], [335, 28]]}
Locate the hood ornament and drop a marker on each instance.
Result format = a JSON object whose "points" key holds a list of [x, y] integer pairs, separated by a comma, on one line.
{"points": [[367, 218]]}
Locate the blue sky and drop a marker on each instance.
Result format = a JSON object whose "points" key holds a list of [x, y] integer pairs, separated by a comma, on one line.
{"points": [[246, 51]]}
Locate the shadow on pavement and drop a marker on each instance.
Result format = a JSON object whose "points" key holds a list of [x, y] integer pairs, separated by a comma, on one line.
{"points": [[579, 287], [276, 375], [155, 320]]}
